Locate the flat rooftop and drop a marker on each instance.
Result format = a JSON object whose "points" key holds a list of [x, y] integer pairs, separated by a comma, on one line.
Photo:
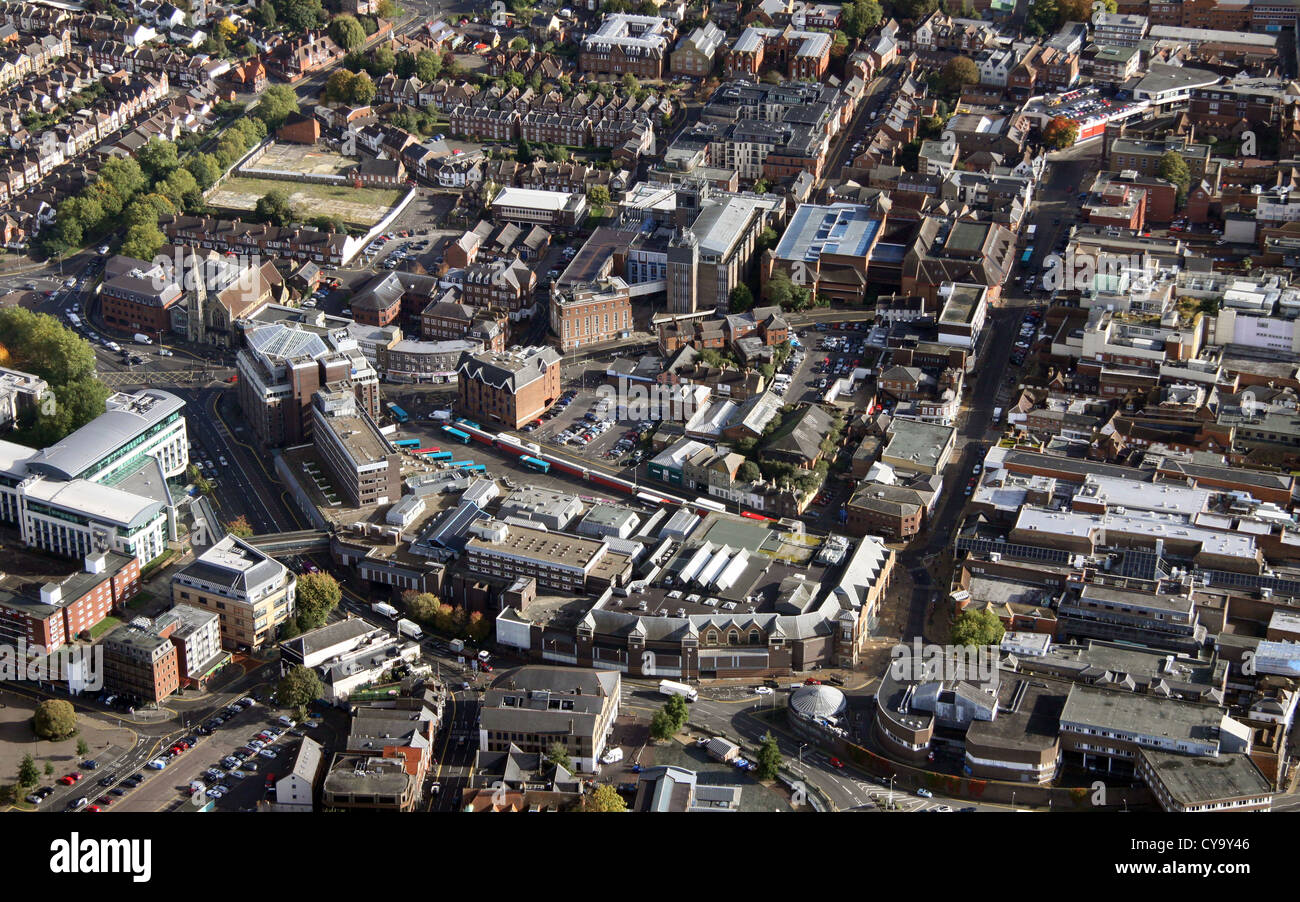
{"points": [[1198, 780], [1143, 715], [845, 229]]}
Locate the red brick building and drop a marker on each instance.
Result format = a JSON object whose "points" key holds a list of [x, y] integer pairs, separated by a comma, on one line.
{"points": [[61, 609], [509, 389]]}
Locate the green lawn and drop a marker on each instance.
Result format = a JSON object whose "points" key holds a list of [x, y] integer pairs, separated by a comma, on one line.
{"points": [[108, 623]]}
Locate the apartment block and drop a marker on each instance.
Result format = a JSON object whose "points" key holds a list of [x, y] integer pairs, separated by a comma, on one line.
{"points": [[360, 462], [250, 592], [510, 388]]}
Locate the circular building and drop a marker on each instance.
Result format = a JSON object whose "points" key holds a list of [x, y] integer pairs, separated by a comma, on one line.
{"points": [[816, 702]]}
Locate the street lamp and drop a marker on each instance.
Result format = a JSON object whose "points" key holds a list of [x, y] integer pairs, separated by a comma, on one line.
{"points": [[891, 790], [802, 746]]}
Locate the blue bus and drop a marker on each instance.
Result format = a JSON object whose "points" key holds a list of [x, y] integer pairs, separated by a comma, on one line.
{"points": [[470, 423], [1024, 258], [406, 443], [462, 437], [398, 414], [438, 455], [533, 463], [477, 468], [460, 464]]}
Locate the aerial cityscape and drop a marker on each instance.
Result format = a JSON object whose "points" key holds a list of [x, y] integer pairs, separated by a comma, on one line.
{"points": [[770, 406]]}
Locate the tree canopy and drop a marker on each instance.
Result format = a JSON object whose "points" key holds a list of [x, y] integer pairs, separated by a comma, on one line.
{"points": [[39, 344], [347, 32], [274, 207], [318, 594], [299, 687], [1173, 168], [959, 72], [604, 798], [1060, 133], [977, 628], [769, 757], [857, 19], [278, 103], [54, 718]]}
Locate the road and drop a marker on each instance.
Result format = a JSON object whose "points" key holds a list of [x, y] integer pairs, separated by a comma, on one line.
{"points": [[844, 787]]}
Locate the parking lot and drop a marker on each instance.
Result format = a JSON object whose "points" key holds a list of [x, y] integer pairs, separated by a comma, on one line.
{"points": [[583, 423], [232, 751]]}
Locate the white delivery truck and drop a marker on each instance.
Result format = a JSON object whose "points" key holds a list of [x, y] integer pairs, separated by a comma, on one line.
{"points": [[668, 687], [386, 609], [409, 628], [143, 339]]}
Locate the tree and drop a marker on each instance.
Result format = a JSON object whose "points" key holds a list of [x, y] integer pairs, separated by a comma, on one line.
{"points": [[422, 606], [676, 708], [301, 15], [204, 169], [54, 719], [142, 241], [428, 65], [28, 775], [1060, 133], [769, 757], [598, 195], [959, 72], [1081, 10], [915, 9], [158, 159], [266, 16], [740, 299], [278, 103], [1173, 168], [240, 527], [362, 89], [318, 594], [299, 687], [274, 207], [558, 755], [338, 87], [83, 749], [518, 44], [749, 472], [1043, 17], [347, 32], [857, 19], [977, 628], [49, 768], [181, 189], [604, 798], [381, 62], [779, 289], [662, 726], [387, 9]]}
